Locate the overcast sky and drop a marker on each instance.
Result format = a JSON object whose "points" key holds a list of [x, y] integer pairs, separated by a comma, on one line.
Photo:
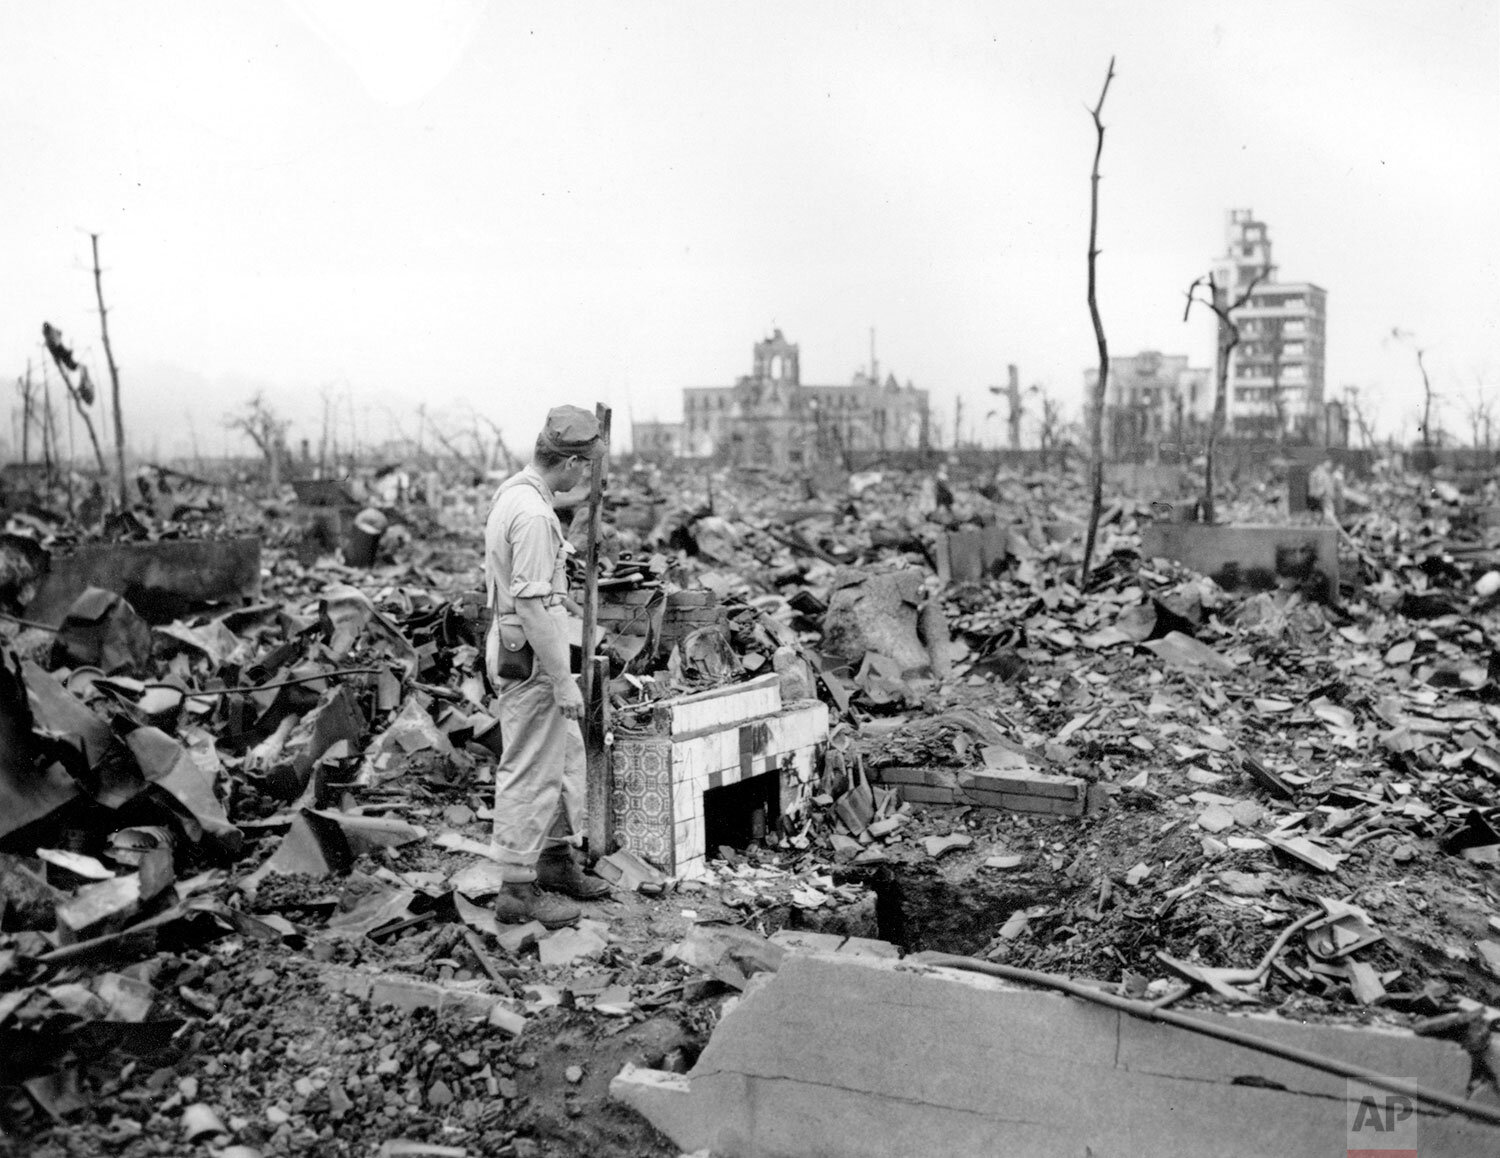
{"points": [[508, 206]]}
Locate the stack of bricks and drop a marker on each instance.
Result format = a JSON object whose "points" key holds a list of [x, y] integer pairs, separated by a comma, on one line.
{"points": [[1025, 790], [628, 612], [921, 785], [687, 611], [1010, 789]]}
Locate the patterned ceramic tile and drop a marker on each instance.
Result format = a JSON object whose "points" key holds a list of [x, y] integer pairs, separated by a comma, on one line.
{"points": [[642, 801]]}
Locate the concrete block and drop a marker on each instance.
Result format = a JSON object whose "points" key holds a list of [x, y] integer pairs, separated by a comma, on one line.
{"points": [[1258, 557], [1023, 782], [721, 707], [930, 776], [924, 794], [1037, 805], [163, 580], [898, 775], [839, 1055], [969, 556]]}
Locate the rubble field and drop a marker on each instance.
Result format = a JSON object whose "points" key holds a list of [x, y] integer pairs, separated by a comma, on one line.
{"points": [[244, 873]]}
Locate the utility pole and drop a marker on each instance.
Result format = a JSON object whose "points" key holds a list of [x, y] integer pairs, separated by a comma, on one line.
{"points": [[958, 421], [1013, 421], [26, 417], [47, 432]]}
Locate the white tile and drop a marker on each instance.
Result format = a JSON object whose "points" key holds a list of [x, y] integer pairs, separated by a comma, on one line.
{"points": [[687, 801]]}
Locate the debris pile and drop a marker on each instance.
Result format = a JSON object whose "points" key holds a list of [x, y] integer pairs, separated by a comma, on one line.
{"points": [[244, 854]]}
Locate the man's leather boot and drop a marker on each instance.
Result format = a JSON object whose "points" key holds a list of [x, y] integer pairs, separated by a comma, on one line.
{"points": [[521, 901], [558, 872]]}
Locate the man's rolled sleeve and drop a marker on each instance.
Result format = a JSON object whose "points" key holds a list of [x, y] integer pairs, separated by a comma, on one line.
{"points": [[533, 559]]}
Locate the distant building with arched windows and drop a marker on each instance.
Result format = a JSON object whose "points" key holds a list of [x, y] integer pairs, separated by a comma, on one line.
{"points": [[770, 418]]}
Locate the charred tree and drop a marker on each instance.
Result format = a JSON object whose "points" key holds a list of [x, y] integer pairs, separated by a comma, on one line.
{"points": [[114, 375], [82, 395], [1228, 339], [1428, 397], [1096, 403], [262, 426]]}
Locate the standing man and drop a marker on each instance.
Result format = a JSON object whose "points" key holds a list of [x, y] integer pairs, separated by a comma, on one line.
{"points": [[540, 790]]}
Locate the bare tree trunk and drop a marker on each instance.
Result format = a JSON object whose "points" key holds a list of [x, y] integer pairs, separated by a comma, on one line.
{"points": [[447, 443], [77, 400], [1278, 398], [1096, 403], [1426, 409], [1221, 399], [114, 375], [1228, 339]]}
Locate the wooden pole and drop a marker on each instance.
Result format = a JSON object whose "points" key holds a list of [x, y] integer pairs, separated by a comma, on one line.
{"points": [[26, 417], [47, 427], [114, 376], [595, 680]]}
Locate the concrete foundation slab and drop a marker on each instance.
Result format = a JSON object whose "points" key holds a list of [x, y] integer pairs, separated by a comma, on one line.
{"points": [[872, 1058], [162, 580], [1256, 557]]}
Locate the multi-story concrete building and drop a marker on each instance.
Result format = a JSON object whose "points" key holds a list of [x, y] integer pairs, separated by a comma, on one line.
{"points": [[1275, 381], [656, 440], [1150, 399], [770, 418]]}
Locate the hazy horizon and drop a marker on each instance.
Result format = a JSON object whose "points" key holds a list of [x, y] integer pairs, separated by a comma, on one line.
{"points": [[494, 209]]}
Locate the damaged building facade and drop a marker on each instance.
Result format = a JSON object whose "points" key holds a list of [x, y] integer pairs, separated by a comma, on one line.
{"points": [[1275, 383], [1274, 388], [771, 418], [1151, 398]]}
